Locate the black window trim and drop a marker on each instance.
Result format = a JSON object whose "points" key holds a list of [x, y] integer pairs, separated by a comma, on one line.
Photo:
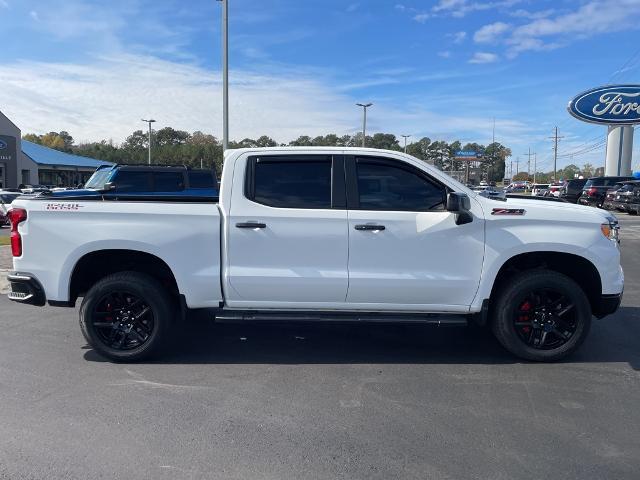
{"points": [[353, 196], [338, 193]]}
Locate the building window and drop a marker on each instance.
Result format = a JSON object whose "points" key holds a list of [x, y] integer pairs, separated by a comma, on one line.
{"points": [[26, 177]]}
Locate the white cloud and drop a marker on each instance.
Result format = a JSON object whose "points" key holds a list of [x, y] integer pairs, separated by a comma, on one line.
{"points": [[490, 33], [106, 99], [460, 8], [484, 57], [4, 4], [593, 18], [458, 37], [445, 54], [33, 14], [521, 13], [421, 17]]}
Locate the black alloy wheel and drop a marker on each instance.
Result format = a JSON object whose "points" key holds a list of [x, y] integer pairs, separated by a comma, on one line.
{"points": [[540, 315], [126, 316], [545, 319], [122, 320]]}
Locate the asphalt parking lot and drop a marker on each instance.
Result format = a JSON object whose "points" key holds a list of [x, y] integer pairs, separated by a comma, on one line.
{"points": [[330, 401]]}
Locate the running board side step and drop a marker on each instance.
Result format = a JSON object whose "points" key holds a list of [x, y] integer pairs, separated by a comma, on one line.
{"points": [[443, 319]]}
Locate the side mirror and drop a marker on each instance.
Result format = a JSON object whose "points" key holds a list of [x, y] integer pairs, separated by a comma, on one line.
{"points": [[459, 204], [109, 187]]}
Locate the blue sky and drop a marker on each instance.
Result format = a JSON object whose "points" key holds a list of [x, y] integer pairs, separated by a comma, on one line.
{"points": [[438, 68]]}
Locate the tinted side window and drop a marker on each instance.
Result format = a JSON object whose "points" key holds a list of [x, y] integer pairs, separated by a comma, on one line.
{"points": [[133, 181], [199, 179], [168, 181], [293, 184], [387, 187]]}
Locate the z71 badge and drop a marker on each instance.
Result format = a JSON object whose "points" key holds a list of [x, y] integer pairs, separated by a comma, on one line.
{"points": [[508, 211], [63, 206]]}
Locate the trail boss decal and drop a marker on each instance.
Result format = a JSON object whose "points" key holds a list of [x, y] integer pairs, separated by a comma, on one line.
{"points": [[63, 206], [508, 211]]}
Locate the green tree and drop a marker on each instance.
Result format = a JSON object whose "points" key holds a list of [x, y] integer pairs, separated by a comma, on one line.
{"points": [[420, 149], [587, 170]]}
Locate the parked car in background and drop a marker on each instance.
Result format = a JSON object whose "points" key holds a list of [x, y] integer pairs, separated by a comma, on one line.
{"points": [[609, 202], [489, 192], [539, 189], [554, 189], [572, 190], [125, 181], [595, 190], [627, 197], [5, 202]]}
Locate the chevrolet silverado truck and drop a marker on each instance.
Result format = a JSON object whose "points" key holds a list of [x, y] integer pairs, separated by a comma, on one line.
{"points": [[320, 234]]}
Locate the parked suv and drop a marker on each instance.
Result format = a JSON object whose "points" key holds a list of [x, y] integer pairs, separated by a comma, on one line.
{"points": [[594, 191], [573, 189], [627, 197], [126, 181]]}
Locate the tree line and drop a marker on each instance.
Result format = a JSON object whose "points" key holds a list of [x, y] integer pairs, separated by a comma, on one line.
{"points": [[170, 146], [566, 173]]}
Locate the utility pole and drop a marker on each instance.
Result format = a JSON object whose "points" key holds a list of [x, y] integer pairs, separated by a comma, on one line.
{"points": [[529, 162], [517, 165], [405, 142], [364, 120], [225, 74], [150, 121], [535, 166], [555, 139], [511, 169]]}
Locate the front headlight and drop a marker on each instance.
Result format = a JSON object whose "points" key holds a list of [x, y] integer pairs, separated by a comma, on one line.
{"points": [[611, 230]]}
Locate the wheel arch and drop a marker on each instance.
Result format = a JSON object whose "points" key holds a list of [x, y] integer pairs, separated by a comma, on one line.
{"points": [[93, 266], [578, 268]]}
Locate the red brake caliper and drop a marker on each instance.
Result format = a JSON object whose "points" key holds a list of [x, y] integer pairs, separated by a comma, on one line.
{"points": [[524, 317]]}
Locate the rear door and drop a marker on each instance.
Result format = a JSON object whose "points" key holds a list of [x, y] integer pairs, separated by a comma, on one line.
{"points": [[287, 238], [405, 250]]}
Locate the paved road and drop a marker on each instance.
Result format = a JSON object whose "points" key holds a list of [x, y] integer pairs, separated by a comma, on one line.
{"points": [[4, 231], [309, 402]]}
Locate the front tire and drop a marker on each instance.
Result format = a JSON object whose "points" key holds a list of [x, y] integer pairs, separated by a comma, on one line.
{"points": [[126, 316], [541, 315]]}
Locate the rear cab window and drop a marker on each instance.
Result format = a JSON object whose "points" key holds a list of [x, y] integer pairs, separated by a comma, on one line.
{"points": [[290, 181]]}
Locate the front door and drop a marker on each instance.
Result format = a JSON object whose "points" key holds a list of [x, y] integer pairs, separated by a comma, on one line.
{"points": [[287, 233], [405, 250]]}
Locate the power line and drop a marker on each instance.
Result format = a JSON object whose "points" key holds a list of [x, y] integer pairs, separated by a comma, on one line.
{"points": [[555, 154]]}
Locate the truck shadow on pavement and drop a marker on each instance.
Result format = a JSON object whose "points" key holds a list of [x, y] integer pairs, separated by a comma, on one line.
{"points": [[198, 341]]}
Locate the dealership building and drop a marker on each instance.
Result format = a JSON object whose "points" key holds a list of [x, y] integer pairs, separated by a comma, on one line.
{"points": [[27, 163]]}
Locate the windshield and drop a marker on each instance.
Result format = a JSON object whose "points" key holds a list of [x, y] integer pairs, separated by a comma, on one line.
{"points": [[98, 179]]}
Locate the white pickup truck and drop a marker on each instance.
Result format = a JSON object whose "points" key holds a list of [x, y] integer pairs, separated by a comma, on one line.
{"points": [[320, 234]]}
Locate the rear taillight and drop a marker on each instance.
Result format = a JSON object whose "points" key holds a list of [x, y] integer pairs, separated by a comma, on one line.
{"points": [[16, 216], [592, 191]]}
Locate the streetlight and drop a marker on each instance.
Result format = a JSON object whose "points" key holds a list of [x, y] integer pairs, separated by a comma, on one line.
{"points": [[405, 142], [225, 74], [364, 120], [149, 122]]}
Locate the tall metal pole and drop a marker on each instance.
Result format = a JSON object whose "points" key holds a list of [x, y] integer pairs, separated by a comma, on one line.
{"points": [[364, 120], [225, 74], [555, 154], [535, 166], [150, 121], [405, 142]]}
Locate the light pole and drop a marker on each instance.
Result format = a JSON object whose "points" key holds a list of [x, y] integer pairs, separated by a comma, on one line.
{"points": [[405, 142], [150, 121], [225, 74], [364, 120]]}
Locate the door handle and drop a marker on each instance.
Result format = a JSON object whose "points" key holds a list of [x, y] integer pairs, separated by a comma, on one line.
{"points": [[368, 226], [251, 225]]}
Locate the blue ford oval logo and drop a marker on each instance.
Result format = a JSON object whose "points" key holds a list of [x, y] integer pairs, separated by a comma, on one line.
{"points": [[615, 104], [3, 145]]}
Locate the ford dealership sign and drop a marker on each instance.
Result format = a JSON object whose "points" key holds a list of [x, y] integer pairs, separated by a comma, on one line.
{"points": [[3, 145], [612, 105]]}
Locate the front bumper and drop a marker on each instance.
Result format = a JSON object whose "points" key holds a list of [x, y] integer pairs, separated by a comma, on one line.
{"points": [[607, 305], [25, 288]]}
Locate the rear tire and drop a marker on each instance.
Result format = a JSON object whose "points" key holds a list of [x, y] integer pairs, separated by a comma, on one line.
{"points": [[541, 315], [126, 316]]}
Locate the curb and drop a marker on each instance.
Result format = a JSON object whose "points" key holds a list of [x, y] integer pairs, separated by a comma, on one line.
{"points": [[4, 283]]}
